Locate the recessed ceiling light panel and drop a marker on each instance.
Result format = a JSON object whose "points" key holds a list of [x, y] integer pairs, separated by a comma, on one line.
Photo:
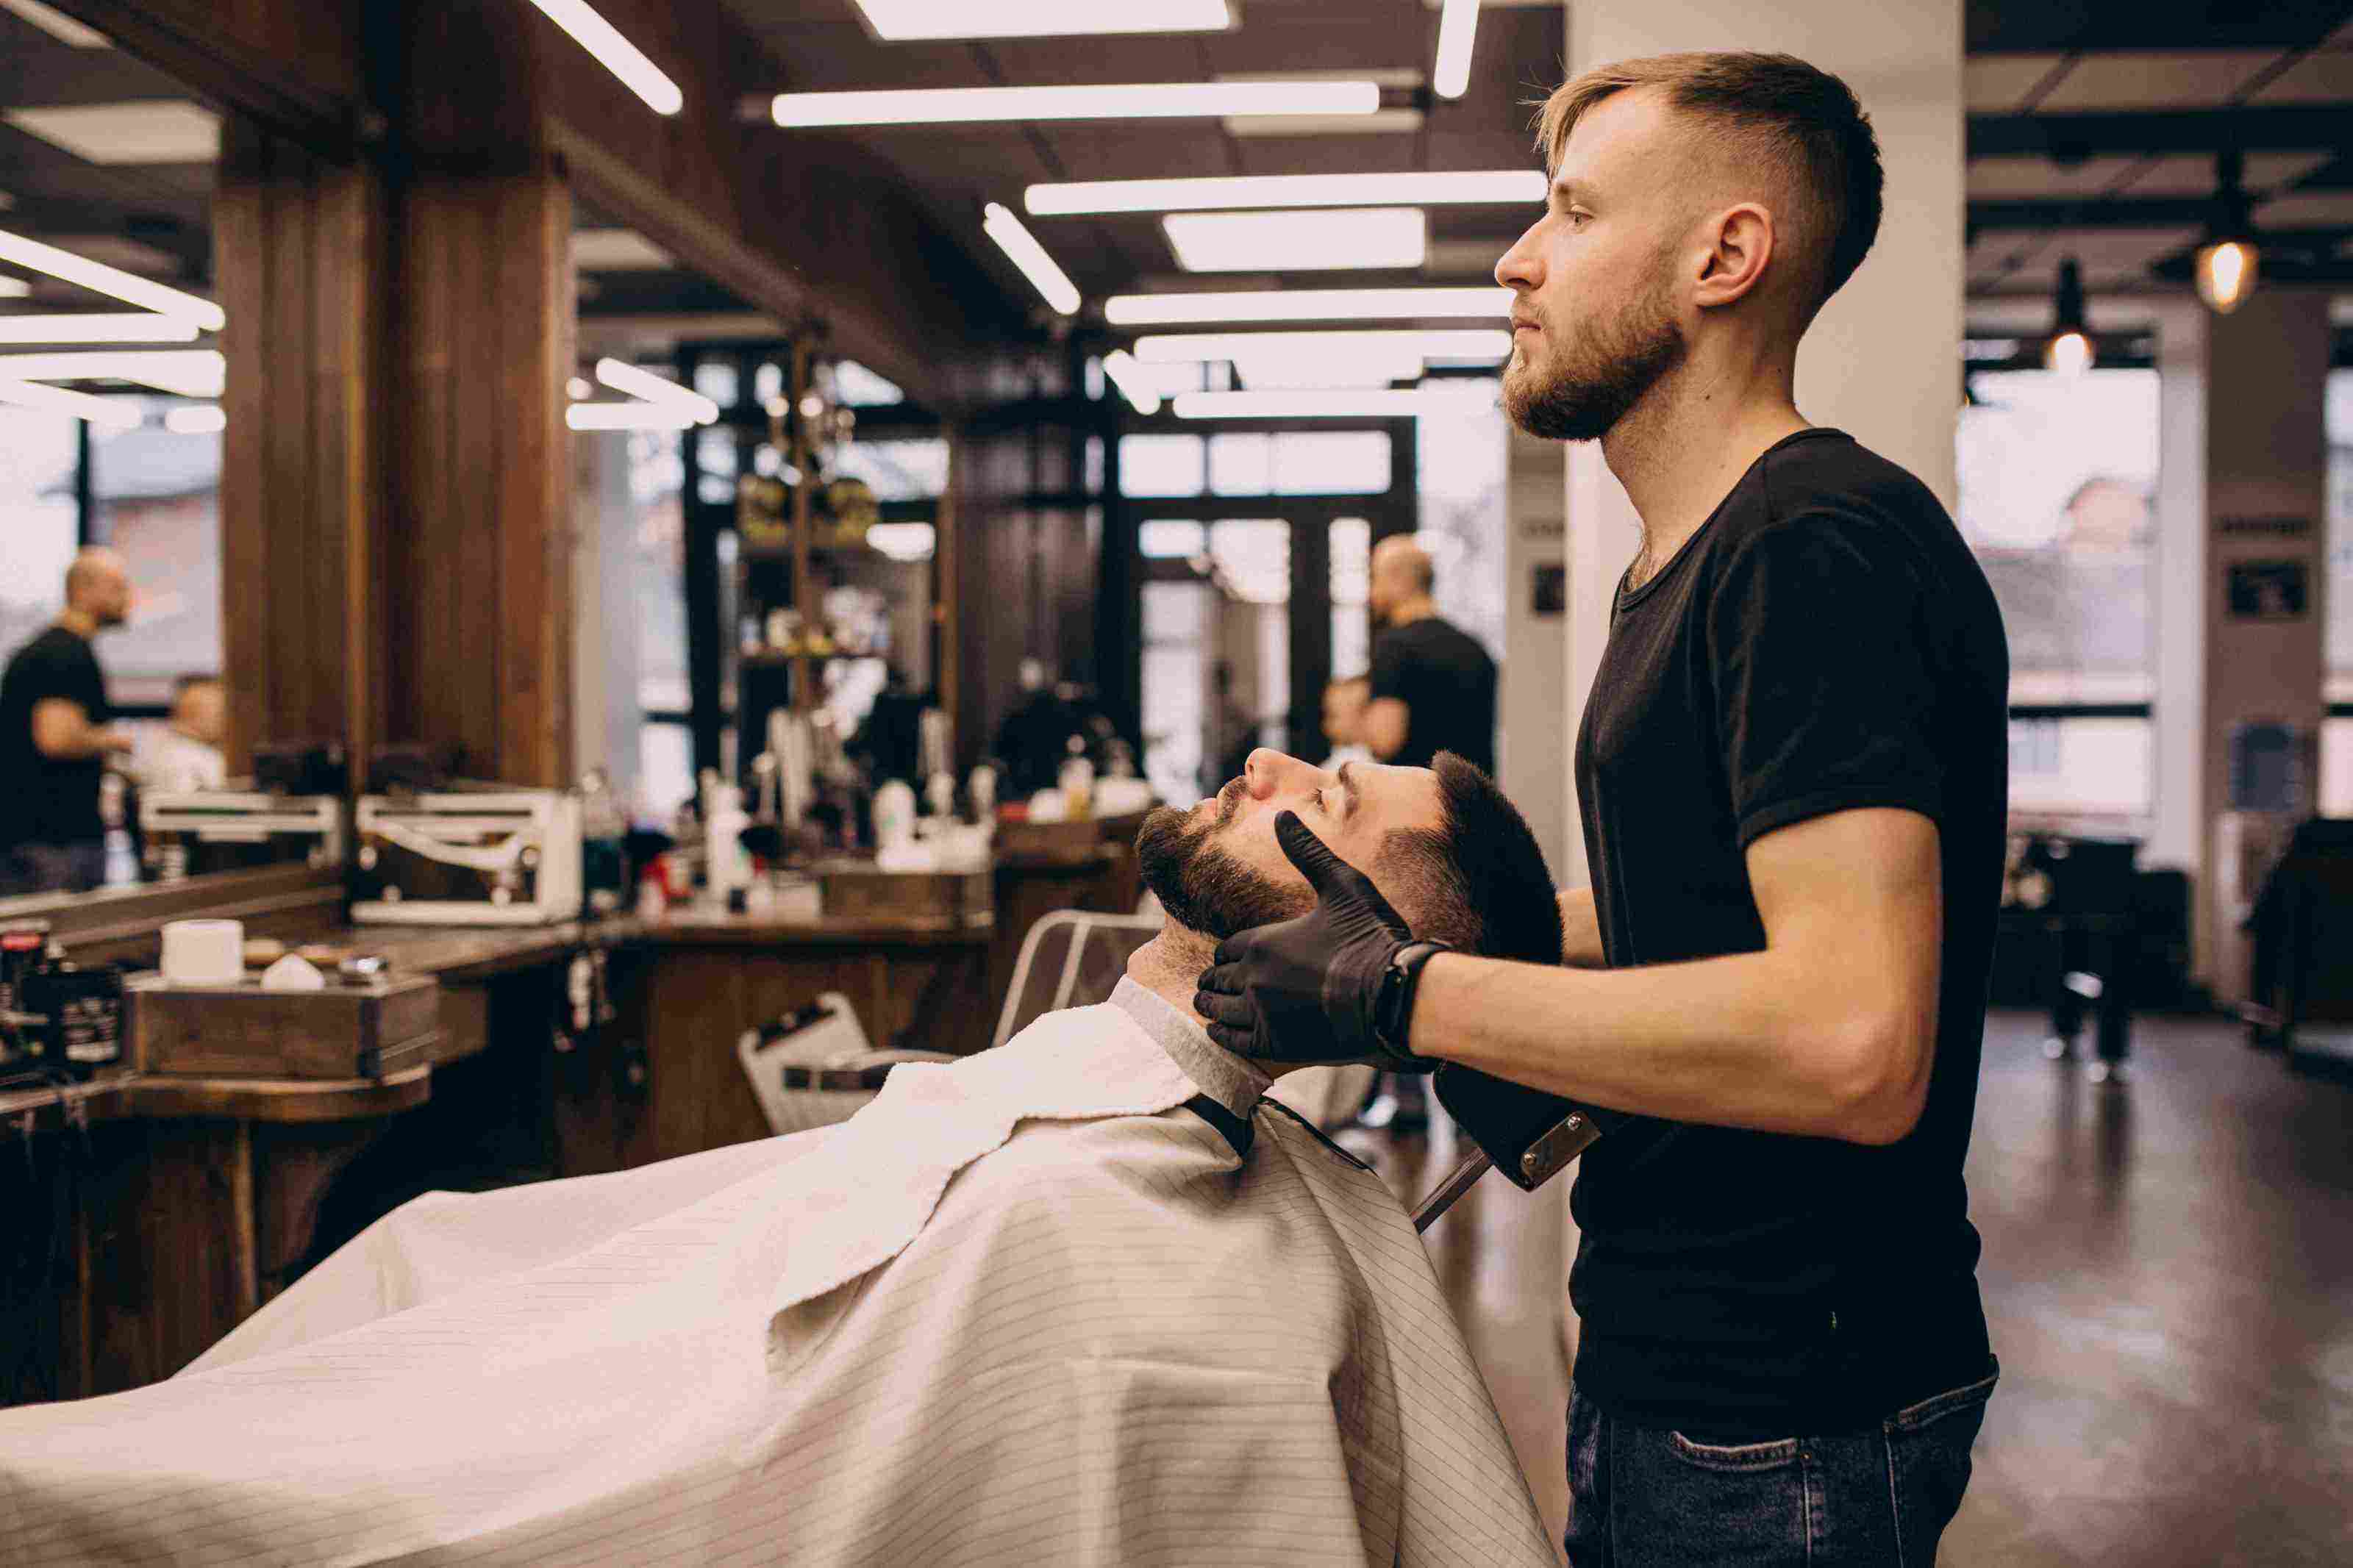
{"points": [[1135, 100], [898, 21], [1302, 241], [1306, 305], [1491, 187]]}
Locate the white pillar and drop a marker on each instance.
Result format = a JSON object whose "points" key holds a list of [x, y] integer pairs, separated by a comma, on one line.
{"points": [[2177, 812], [2266, 476], [1531, 746], [1882, 362]]}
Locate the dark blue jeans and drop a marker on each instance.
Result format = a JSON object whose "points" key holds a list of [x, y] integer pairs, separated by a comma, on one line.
{"points": [[1642, 1497]]}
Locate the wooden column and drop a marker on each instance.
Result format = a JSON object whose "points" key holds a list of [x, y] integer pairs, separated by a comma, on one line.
{"points": [[478, 584], [299, 249]]}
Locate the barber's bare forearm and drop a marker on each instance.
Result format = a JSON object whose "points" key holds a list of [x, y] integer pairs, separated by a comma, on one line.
{"points": [[1753, 1040], [1580, 930]]}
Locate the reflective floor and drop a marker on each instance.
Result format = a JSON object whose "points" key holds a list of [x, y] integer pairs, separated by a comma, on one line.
{"points": [[2168, 1270]]}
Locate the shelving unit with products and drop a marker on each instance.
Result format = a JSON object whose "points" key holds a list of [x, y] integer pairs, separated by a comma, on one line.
{"points": [[812, 512]]}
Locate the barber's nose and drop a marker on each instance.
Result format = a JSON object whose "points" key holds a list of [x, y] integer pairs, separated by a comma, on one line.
{"points": [[1268, 770]]}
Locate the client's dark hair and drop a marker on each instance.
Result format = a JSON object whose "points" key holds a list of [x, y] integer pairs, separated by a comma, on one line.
{"points": [[1479, 881]]}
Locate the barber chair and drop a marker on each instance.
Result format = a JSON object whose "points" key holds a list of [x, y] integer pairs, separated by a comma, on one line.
{"points": [[1073, 959]]}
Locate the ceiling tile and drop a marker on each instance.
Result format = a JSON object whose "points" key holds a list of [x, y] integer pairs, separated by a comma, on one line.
{"points": [[2192, 173], [1993, 83], [2314, 209], [2324, 76], [161, 130], [113, 250], [2137, 79], [618, 250], [2028, 177]]}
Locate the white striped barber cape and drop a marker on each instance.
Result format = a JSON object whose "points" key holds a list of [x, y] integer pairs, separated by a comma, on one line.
{"points": [[1025, 1309]]}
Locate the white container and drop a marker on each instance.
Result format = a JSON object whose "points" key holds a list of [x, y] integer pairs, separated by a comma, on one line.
{"points": [[203, 952]]}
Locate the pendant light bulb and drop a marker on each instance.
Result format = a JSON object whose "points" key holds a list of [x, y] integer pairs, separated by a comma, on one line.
{"points": [[2068, 350], [2226, 262], [2226, 274]]}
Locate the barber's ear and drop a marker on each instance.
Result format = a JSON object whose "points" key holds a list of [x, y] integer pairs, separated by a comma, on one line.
{"points": [[1740, 246]]}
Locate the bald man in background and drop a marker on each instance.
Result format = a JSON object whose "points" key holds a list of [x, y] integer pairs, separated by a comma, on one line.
{"points": [[1433, 687], [55, 738]]}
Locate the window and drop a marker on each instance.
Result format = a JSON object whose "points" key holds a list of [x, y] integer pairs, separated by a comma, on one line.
{"points": [[1352, 576], [1172, 539], [2057, 477], [1178, 629], [858, 387], [1252, 557], [36, 521], [1299, 463], [1461, 480], [155, 497], [1161, 465]]}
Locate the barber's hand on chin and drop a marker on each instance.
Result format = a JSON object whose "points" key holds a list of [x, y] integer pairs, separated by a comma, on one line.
{"points": [[1320, 988]]}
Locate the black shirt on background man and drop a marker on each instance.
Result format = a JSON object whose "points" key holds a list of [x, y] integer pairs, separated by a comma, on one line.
{"points": [[46, 800], [1447, 683], [1825, 642]]}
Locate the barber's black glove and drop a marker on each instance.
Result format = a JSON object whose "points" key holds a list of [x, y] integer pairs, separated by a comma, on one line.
{"points": [[1334, 986]]}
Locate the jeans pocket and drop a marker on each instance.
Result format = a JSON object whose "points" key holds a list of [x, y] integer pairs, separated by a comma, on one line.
{"points": [[1935, 1407], [1929, 1463], [1736, 1458]]}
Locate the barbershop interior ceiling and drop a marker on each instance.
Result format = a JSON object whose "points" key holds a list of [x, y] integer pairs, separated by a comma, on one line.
{"points": [[2093, 126]]}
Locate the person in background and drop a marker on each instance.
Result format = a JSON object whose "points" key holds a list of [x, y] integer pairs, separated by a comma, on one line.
{"points": [[55, 738], [1432, 686], [1432, 689], [1343, 721], [187, 755]]}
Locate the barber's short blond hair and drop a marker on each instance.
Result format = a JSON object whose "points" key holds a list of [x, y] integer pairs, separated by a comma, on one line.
{"points": [[1804, 123]]}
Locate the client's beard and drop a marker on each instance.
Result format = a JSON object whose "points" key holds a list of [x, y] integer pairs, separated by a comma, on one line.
{"points": [[1601, 378], [1202, 887]]}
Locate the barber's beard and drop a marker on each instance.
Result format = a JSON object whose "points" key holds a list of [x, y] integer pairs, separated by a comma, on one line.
{"points": [[1596, 380], [1202, 887]]}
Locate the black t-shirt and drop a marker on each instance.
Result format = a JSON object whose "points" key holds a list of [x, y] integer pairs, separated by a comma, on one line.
{"points": [[1447, 683], [1825, 642], [43, 800]]}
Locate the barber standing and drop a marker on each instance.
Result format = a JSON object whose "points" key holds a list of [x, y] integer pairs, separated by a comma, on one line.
{"points": [[1792, 773], [55, 738], [1432, 686]]}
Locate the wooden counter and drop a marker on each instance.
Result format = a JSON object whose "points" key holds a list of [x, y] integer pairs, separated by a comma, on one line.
{"points": [[190, 1202]]}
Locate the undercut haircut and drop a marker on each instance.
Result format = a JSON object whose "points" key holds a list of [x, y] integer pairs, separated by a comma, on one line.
{"points": [[1784, 114], [1478, 880]]}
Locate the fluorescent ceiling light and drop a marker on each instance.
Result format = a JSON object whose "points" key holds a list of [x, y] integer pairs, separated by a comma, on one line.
{"points": [[1399, 403], [1127, 375], [19, 251], [1302, 241], [1304, 305], [900, 21], [627, 416], [1357, 367], [1458, 25], [615, 54], [95, 327], [1474, 346], [158, 131], [1144, 101], [1488, 187], [644, 384], [196, 419], [80, 404], [58, 26], [191, 372], [618, 250], [1049, 280], [14, 288]]}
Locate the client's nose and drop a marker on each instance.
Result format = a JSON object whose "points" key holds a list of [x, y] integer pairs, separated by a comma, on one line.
{"points": [[1269, 772]]}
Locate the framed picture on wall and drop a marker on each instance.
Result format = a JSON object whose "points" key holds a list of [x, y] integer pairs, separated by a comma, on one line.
{"points": [[2268, 590]]}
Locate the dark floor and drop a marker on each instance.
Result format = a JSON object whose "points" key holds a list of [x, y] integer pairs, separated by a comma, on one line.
{"points": [[2169, 1270]]}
